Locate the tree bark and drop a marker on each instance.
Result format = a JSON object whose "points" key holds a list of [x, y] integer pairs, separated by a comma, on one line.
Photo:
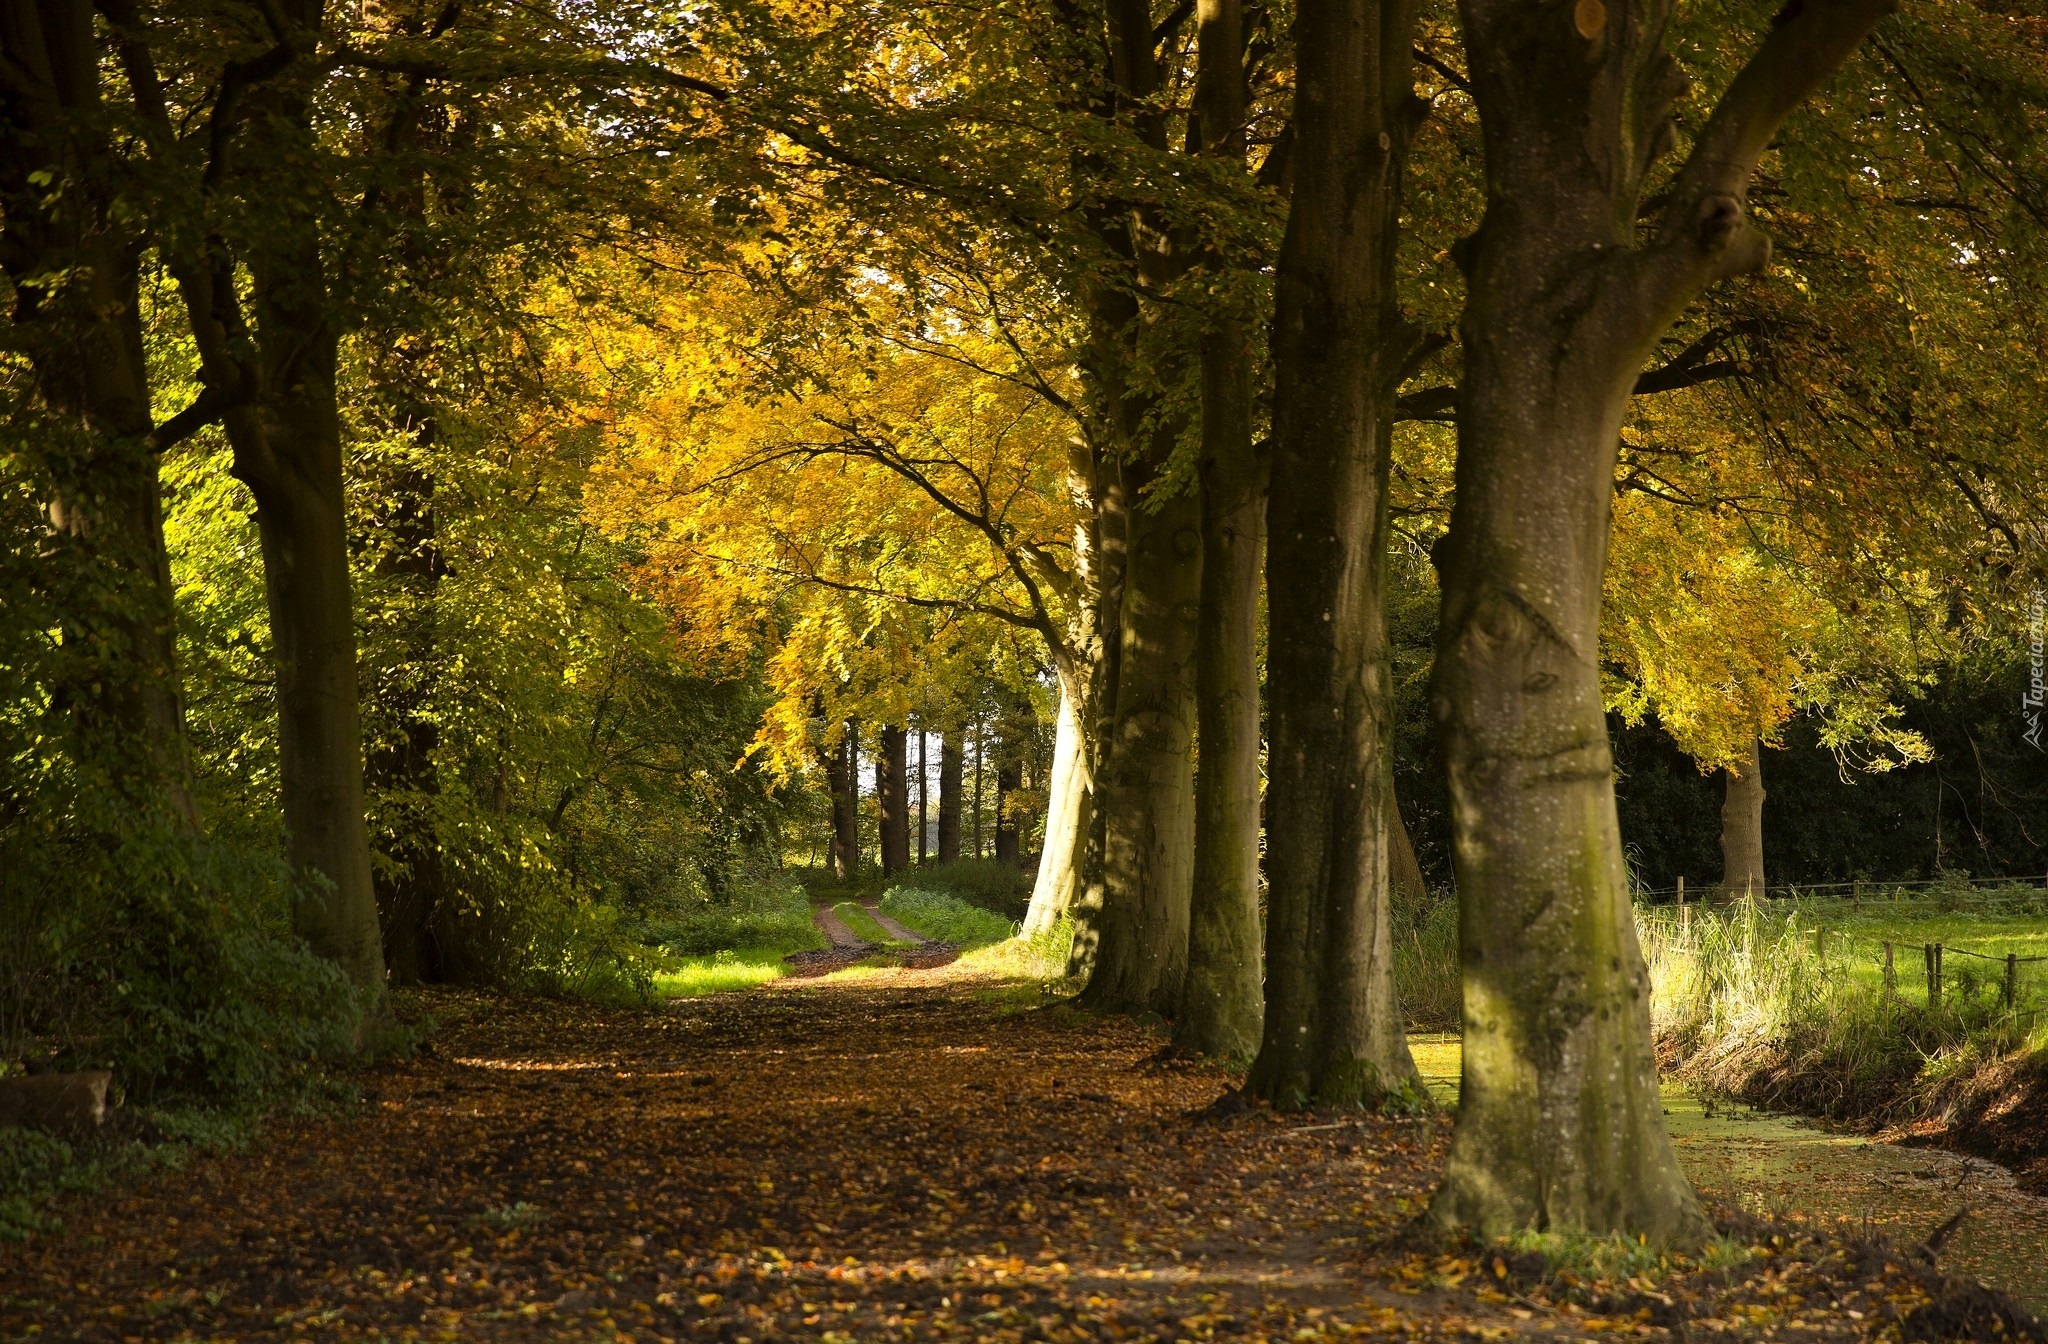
{"points": [[1221, 1005], [980, 774], [1146, 786], [1742, 827], [288, 452], [1405, 871], [892, 795], [1333, 1032], [924, 827], [1060, 874], [950, 760], [1560, 1127], [842, 776]]}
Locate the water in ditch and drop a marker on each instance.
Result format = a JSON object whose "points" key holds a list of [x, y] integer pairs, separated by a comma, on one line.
{"points": [[1790, 1168]]}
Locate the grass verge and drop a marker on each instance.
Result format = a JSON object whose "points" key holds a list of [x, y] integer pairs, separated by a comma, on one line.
{"points": [[1789, 1005], [863, 925], [945, 918], [730, 968]]}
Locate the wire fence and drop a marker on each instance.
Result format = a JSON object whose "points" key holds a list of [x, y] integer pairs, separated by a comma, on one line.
{"points": [[2019, 888], [1930, 970]]}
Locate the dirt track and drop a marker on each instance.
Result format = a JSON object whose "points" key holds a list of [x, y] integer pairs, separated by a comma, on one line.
{"points": [[893, 1156]]}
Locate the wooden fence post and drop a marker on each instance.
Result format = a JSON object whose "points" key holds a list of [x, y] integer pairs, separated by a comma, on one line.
{"points": [[1932, 952], [2012, 979], [1891, 977]]}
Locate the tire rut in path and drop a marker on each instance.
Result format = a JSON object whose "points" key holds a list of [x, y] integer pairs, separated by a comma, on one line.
{"points": [[834, 928], [892, 928]]}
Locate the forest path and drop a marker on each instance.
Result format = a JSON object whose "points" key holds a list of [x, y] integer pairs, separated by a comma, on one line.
{"points": [[892, 1154], [892, 928], [834, 928]]}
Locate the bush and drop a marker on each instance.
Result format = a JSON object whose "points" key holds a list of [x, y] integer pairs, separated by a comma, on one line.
{"points": [[946, 918], [180, 976], [769, 916], [991, 884]]}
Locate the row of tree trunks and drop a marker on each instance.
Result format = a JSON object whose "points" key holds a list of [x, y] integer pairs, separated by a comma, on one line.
{"points": [[839, 766], [1333, 1034]]}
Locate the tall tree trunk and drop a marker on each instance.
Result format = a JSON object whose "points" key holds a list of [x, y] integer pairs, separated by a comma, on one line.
{"points": [[1146, 790], [842, 776], [1060, 874], [1009, 779], [1222, 998], [1742, 827], [288, 452], [77, 317], [949, 796], [1560, 1126], [400, 771], [924, 826], [892, 795], [278, 365], [1333, 1032], [980, 772], [1108, 556]]}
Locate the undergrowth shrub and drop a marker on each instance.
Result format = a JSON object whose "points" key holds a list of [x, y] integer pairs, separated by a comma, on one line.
{"points": [[946, 918], [167, 959], [768, 915], [998, 887]]}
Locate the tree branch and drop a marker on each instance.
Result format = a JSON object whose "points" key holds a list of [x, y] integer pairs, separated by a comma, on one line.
{"points": [[205, 409], [1808, 42]]}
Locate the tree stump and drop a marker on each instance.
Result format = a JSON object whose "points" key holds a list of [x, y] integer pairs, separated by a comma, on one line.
{"points": [[56, 1101]]}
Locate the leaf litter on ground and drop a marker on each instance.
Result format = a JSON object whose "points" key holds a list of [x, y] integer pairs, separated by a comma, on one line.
{"points": [[898, 1156]]}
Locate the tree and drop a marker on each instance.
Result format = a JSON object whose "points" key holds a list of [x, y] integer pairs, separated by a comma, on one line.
{"points": [[1559, 1124], [951, 760], [892, 798], [1333, 1034], [1222, 1001], [72, 251], [270, 353]]}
